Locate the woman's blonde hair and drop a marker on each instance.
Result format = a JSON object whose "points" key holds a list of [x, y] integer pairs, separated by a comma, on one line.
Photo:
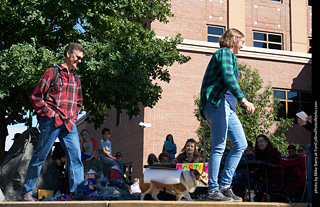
{"points": [[226, 39]]}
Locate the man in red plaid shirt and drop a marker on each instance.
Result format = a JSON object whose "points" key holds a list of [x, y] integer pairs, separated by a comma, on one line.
{"points": [[58, 112]]}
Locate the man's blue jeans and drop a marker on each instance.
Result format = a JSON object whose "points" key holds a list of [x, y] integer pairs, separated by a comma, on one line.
{"points": [[224, 124], [70, 144]]}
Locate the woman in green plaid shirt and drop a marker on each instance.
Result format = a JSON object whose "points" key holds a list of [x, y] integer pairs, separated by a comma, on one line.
{"points": [[219, 94]]}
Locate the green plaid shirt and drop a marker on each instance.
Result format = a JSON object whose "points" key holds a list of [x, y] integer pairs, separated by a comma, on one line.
{"points": [[220, 77]]}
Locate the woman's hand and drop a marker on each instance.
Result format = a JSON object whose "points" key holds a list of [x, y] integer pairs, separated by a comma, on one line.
{"points": [[248, 105]]}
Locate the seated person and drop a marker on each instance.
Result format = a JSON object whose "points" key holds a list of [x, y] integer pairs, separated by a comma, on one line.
{"points": [[152, 159], [105, 150], [302, 151], [264, 151], [119, 157], [240, 176], [59, 158], [89, 146], [247, 154], [202, 153], [292, 152], [164, 158], [189, 153]]}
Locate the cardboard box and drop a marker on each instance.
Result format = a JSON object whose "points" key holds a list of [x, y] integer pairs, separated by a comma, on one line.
{"points": [[42, 194]]}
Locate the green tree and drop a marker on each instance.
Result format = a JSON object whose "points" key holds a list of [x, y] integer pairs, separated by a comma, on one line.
{"points": [[261, 121], [122, 61]]}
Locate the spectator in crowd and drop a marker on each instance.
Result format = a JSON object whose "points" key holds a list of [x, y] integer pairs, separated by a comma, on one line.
{"points": [[302, 151], [170, 146], [152, 159], [164, 158], [59, 158], [106, 152], [307, 124], [125, 177], [240, 176], [189, 153], [292, 152], [119, 157], [264, 151], [89, 146], [247, 154], [202, 152]]}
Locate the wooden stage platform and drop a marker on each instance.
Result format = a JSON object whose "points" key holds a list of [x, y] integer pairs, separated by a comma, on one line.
{"points": [[135, 203]]}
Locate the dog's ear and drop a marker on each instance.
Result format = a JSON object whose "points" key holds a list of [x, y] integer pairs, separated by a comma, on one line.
{"points": [[196, 171]]}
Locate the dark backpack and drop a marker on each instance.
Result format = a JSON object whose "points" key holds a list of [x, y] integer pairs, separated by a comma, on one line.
{"points": [[54, 80]]}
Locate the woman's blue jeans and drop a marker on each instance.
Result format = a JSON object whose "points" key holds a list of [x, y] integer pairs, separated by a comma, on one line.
{"points": [[224, 124], [70, 144]]}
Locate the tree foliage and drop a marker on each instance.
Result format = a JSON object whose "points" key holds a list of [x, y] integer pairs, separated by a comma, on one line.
{"points": [[262, 120], [122, 61]]}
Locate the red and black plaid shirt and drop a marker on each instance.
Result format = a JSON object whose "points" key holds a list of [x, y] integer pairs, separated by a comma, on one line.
{"points": [[64, 105]]}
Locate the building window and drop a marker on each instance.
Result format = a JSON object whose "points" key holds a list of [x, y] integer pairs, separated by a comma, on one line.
{"points": [[309, 2], [131, 116], [118, 120], [129, 170], [310, 45], [293, 102], [277, 0], [267, 40], [214, 33]]}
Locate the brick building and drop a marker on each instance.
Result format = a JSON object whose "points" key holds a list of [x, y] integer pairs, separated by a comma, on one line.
{"points": [[278, 38]]}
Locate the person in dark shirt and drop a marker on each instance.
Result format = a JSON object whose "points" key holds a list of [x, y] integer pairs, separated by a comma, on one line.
{"points": [[264, 151], [59, 157], [292, 152]]}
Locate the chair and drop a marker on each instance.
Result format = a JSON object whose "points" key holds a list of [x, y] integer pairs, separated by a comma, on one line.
{"points": [[295, 176]]}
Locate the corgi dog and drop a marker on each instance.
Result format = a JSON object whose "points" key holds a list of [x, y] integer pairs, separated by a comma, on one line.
{"points": [[187, 182]]}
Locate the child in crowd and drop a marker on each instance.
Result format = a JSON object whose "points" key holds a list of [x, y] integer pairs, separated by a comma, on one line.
{"points": [[152, 159], [170, 146], [89, 146], [105, 150]]}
